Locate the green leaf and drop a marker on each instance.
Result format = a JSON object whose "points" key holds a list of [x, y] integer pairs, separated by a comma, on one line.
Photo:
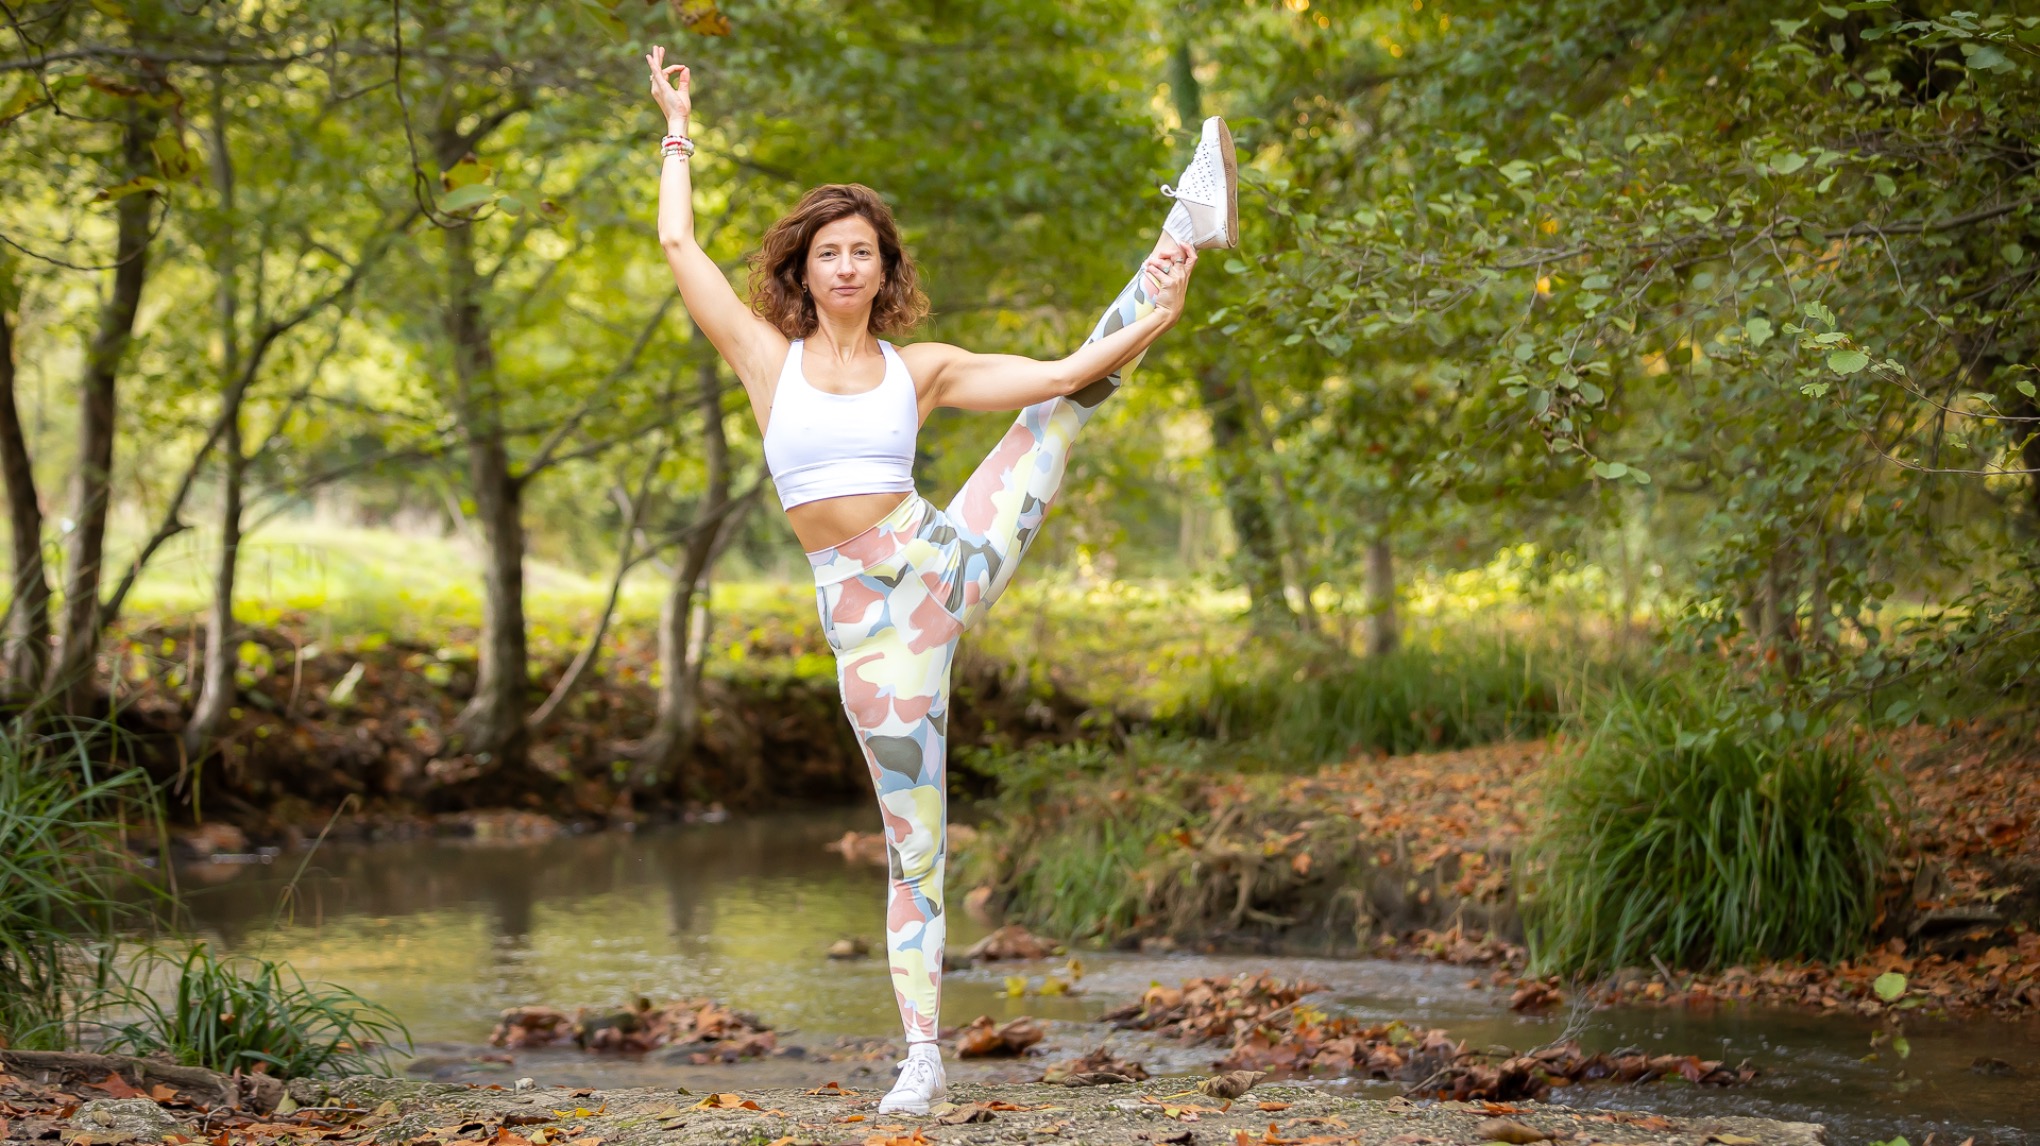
{"points": [[1847, 361], [471, 195], [119, 191], [1610, 469], [1759, 330], [1903, 1047], [1889, 985], [1986, 57], [1788, 28], [466, 173], [2013, 253], [510, 204], [2025, 386], [1516, 170], [1885, 184], [1235, 267], [1787, 163]]}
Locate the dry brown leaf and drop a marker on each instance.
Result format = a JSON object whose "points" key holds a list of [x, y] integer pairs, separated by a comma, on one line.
{"points": [[1510, 1131], [117, 1086], [974, 1112], [1271, 1107], [1231, 1084]]}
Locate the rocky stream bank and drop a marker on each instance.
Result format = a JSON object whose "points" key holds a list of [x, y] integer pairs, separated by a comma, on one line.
{"points": [[89, 1100]]}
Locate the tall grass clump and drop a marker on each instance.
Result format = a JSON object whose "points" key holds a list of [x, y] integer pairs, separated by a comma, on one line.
{"points": [[1419, 699], [1698, 827], [62, 869], [240, 1012]]}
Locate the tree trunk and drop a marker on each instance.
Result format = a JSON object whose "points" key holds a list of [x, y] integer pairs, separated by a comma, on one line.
{"points": [[216, 692], [28, 623], [683, 620], [1383, 636], [71, 670], [492, 726], [1259, 558]]}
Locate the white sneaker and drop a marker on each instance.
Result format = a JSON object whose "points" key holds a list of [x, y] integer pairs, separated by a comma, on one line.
{"points": [[920, 1085], [1207, 210]]}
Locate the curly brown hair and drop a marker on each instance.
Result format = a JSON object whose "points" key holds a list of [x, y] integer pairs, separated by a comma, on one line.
{"points": [[777, 293]]}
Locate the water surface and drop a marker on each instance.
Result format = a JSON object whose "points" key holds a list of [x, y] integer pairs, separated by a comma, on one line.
{"points": [[448, 933]]}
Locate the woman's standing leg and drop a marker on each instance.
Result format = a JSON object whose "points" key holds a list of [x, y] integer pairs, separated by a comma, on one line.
{"points": [[880, 599], [1000, 510], [898, 703]]}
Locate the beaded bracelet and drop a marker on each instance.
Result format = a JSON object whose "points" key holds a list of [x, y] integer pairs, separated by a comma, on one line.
{"points": [[676, 145]]}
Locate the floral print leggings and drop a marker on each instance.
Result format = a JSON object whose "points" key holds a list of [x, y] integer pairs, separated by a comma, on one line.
{"points": [[894, 600]]}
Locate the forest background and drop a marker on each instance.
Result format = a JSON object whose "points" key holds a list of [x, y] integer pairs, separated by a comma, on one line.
{"points": [[1655, 373]]}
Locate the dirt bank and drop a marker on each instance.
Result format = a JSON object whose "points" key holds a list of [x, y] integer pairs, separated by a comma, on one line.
{"points": [[367, 720], [1418, 855], [390, 1112]]}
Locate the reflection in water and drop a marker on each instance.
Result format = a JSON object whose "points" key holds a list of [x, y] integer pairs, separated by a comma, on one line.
{"points": [[449, 933]]}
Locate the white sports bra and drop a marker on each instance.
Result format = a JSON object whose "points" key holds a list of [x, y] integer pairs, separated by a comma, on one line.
{"points": [[819, 444]]}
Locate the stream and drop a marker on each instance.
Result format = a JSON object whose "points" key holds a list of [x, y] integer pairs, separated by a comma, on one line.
{"points": [[447, 933]]}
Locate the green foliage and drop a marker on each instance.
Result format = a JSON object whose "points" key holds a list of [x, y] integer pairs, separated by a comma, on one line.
{"points": [[1703, 829], [242, 1013], [1084, 840], [1419, 699], [62, 868]]}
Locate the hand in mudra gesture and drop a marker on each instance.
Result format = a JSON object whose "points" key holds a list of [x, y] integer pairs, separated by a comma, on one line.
{"points": [[671, 95]]}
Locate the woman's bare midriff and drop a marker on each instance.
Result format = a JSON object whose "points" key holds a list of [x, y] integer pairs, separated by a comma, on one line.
{"points": [[831, 521]]}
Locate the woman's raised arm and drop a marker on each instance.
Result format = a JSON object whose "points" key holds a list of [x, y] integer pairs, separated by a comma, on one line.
{"points": [[753, 347], [957, 378]]}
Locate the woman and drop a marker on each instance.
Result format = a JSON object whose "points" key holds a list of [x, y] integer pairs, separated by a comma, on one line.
{"points": [[897, 580]]}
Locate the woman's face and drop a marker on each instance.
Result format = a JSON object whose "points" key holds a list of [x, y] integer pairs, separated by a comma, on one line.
{"points": [[844, 267]]}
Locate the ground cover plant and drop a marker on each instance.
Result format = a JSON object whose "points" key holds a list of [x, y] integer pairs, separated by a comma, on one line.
{"points": [[243, 1013]]}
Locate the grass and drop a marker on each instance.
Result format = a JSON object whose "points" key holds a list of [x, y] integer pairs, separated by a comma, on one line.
{"points": [[1085, 842], [62, 865], [245, 1013], [1454, 693], [1700, 828]]}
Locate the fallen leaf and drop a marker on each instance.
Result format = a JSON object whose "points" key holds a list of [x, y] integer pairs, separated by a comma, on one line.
{"points": [[117, 1086], [1510, 1131], [851, 1118], [974, 1112], [726, 1101], [162, 1093], [1271, 1107], [1231, 1084], [1732, 1139], [830, 1090]]}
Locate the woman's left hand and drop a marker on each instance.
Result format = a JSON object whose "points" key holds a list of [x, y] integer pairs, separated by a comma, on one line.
{"points": [[1170, 276]]}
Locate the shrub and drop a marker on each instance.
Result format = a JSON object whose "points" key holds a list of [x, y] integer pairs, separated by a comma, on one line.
{"points": [[242, 1012], [1698, 827]]}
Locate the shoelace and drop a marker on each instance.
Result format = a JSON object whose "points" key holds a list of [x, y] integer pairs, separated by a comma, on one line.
{"points": [[1173, 193], [920, 1067]]}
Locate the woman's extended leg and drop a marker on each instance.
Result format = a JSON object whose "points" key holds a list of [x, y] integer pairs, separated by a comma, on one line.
{"points": [[1000, 509]]}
